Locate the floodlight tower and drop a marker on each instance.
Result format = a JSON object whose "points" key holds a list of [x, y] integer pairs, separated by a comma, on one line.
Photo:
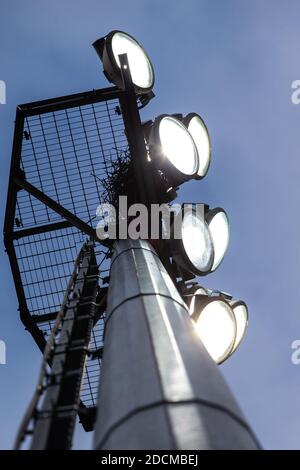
{"points": [[164, 334], [160, 387]]}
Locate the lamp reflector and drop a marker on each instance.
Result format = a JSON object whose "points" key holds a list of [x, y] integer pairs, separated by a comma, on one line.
{"points": [[199, 132], [177, 145], [240, 312], [117, 43], [218, 224], [217, 329], [196, 242], [139, 63]]}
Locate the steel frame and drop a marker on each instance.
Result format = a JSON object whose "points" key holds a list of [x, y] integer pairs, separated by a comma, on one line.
{"points": [[18, 181]]}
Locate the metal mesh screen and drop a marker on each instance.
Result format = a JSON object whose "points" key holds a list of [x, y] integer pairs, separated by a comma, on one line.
{"points": [[46, 261], [66, 154]]}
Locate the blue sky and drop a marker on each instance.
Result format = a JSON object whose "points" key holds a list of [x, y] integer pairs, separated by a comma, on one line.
{"points": [[233, 62]]}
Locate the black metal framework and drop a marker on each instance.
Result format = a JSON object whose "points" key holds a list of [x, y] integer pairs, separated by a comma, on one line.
{"points": [[62, 151]]}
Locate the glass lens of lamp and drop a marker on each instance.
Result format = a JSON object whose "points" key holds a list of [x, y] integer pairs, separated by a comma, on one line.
{"points": [[199, 133], [140, 66], [219, 229], [217, 330], [178, 145], [196, 241], [241, 318]]}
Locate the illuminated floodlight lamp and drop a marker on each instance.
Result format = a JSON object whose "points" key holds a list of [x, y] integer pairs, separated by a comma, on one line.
{"points": [[198, 130], [240, 311], [191, 243], [219, 321], [218, 223], [116, 43], [216, 325], [199, 233], [172, 149]]}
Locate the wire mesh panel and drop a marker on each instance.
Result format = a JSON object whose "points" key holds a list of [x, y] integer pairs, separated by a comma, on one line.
{"points": [[46, 261], [66, 150], [66, 154]]}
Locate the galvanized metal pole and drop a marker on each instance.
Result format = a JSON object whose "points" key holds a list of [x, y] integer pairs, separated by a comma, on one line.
{"points": [[159, 387]]}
